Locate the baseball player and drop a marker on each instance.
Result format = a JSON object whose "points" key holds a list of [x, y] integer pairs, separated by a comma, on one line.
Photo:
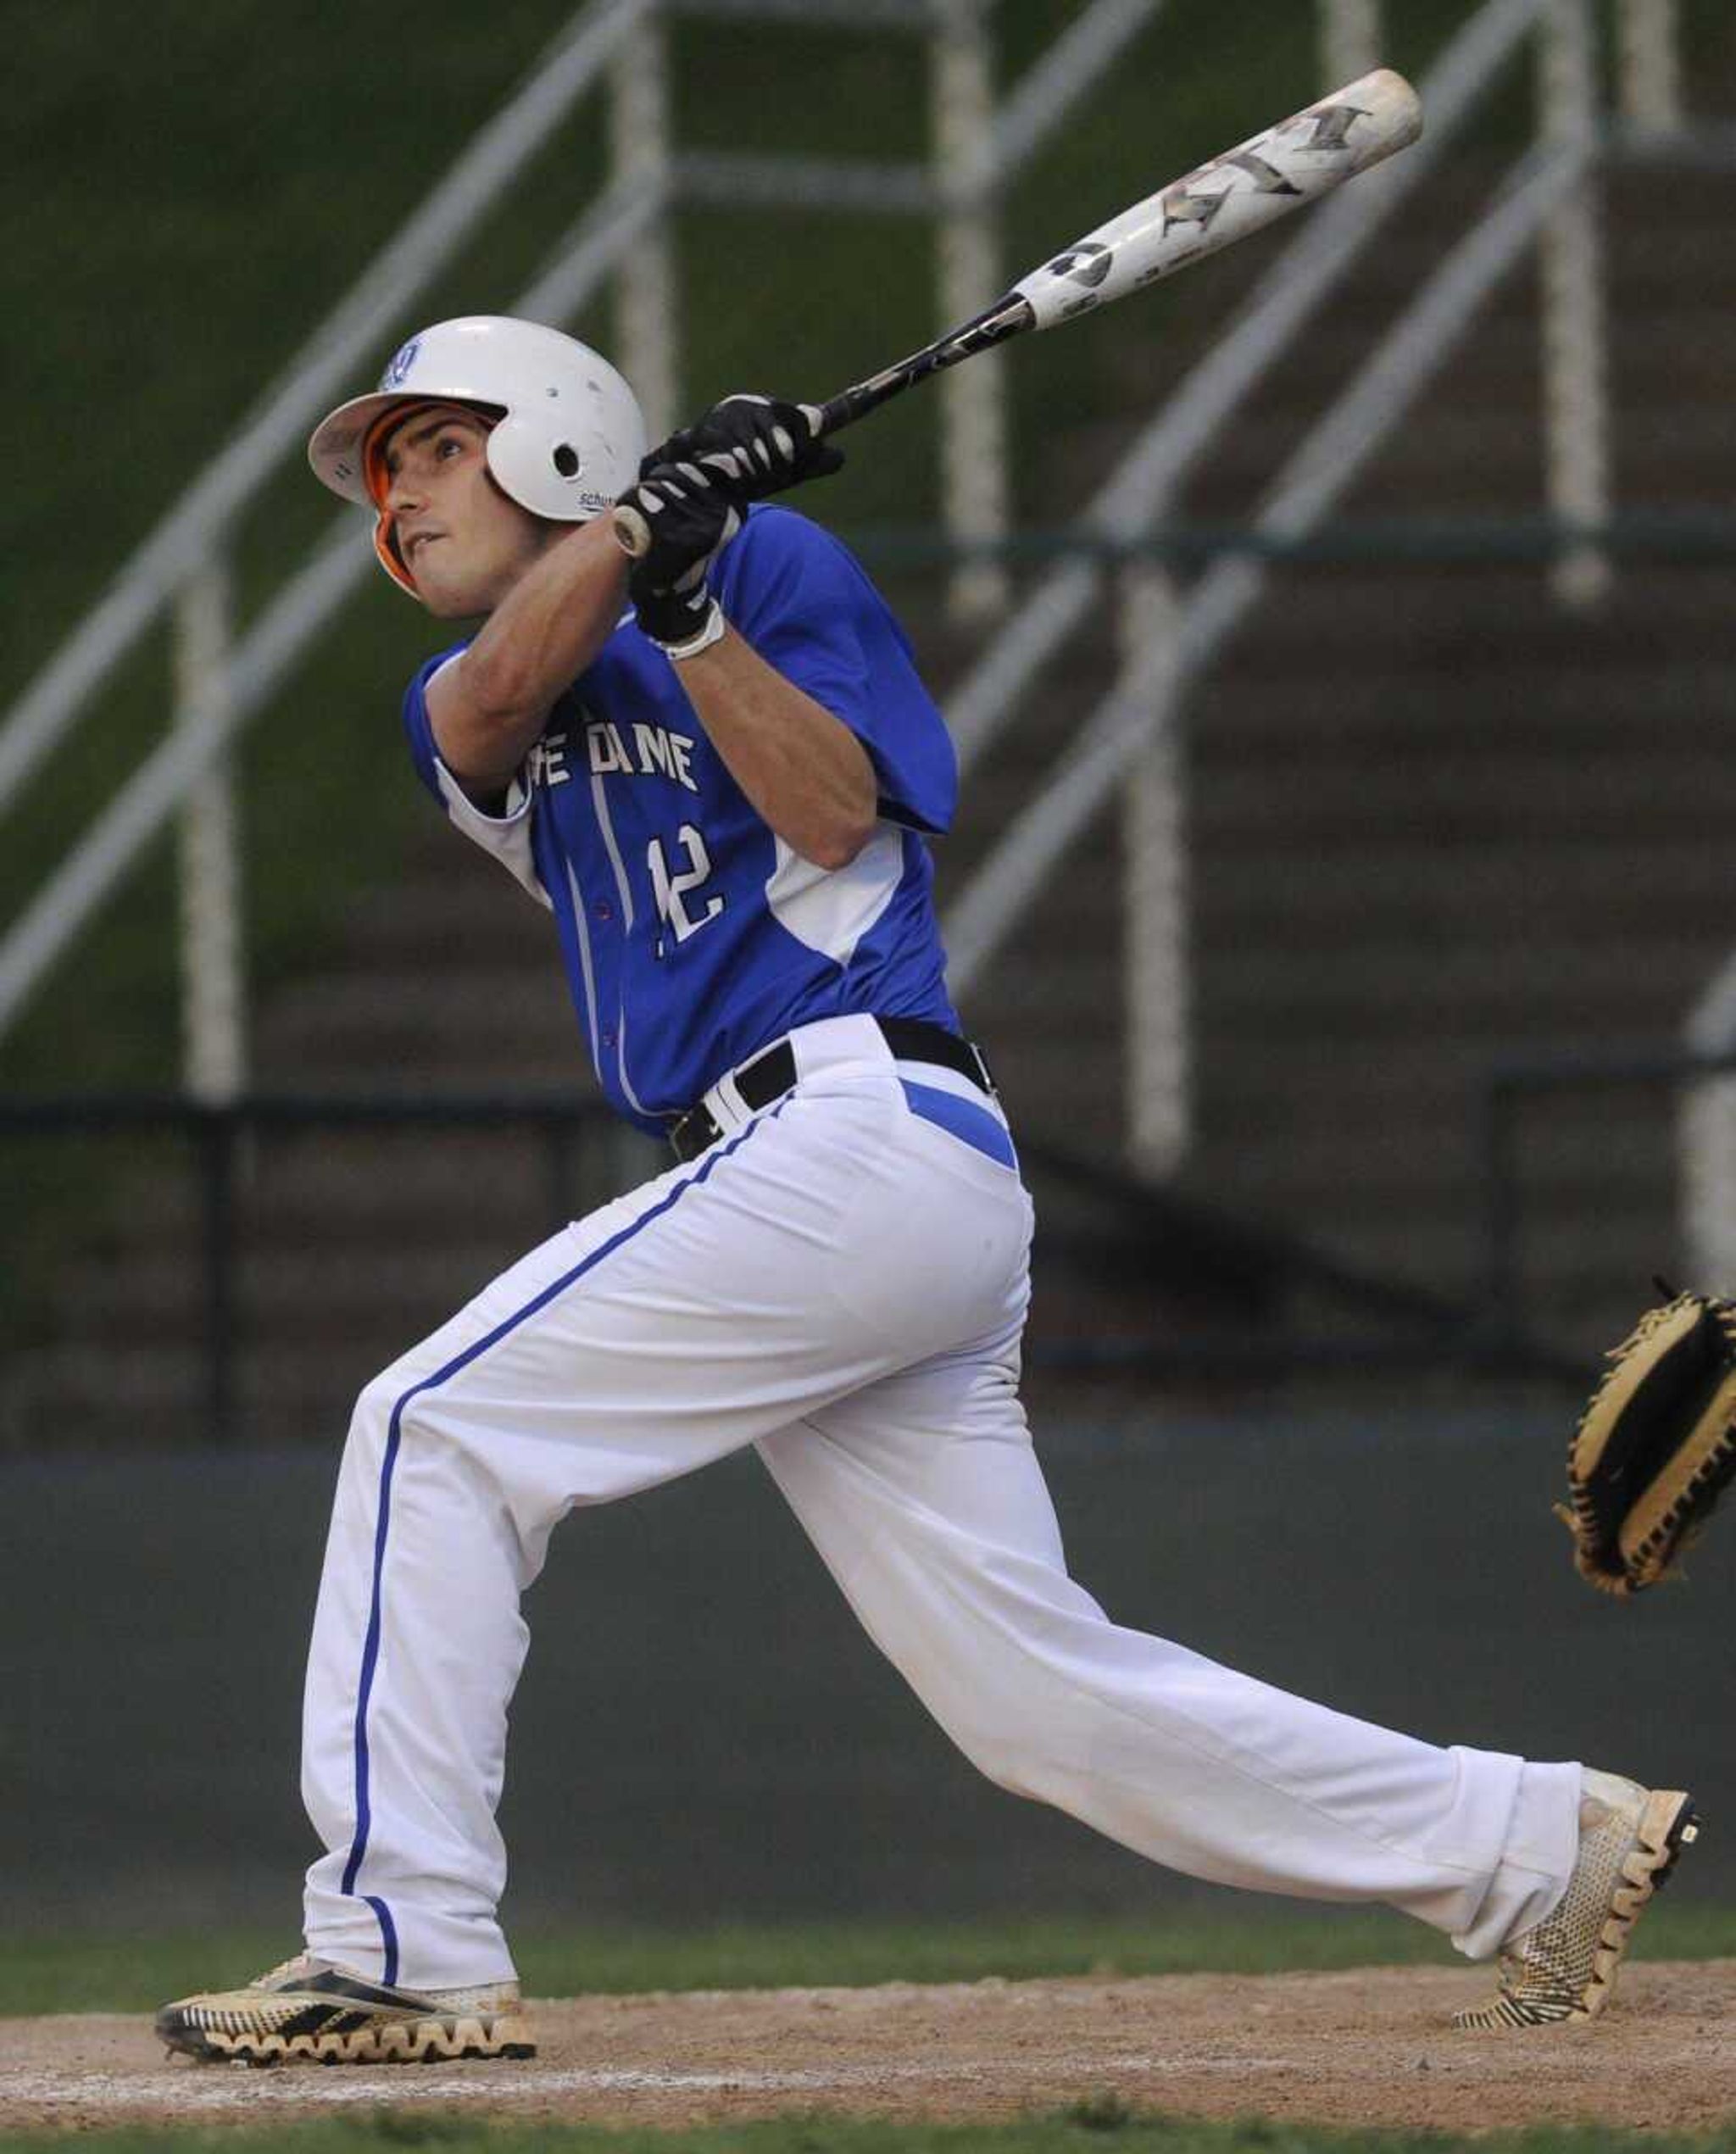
{"points": [[718, 776]]}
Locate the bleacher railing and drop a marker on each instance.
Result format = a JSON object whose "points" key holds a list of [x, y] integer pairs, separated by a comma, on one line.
{"points": [[219, 1139], [1690, 1075], [225, 682], [1168, 637], [1402, 1326]]}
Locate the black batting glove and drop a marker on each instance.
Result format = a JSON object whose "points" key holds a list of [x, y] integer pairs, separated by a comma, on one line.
{"points": [[755, 446], [691, 517]]}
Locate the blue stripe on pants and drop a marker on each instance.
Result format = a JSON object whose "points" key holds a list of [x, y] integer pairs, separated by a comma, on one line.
{"points": [[370, 1649]]}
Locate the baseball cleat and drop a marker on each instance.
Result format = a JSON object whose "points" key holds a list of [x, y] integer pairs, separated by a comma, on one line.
{"points": [[308, 2012], [1565, 1969]]}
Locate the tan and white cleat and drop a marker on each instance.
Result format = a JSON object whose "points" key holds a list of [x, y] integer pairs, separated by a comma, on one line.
{"points": [[1565, 1969], [309, 2012]]}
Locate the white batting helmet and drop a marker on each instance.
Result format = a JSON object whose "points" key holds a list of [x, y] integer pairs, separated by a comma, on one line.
{"points": [[568, 435]]}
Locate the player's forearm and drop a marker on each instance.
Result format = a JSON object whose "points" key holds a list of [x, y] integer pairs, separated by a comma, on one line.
{"points": [[804, 771], [489, 708]]}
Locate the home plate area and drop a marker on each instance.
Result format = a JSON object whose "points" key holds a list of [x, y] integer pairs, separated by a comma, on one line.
{"points": [[1372, 2047]]}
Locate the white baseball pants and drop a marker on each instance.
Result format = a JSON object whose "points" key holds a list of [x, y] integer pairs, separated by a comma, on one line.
{"points": [[840, 1281]]}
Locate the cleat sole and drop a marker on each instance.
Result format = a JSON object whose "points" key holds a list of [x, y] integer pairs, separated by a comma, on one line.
{"points": [[419, 2042], [1668, 1824], [309, 2012]]}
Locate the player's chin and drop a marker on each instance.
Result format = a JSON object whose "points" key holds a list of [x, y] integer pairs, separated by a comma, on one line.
{"points": [[448, 598]]}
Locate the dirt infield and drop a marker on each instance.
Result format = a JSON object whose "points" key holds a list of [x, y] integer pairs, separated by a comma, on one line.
{"points": [[1367, 2048]]}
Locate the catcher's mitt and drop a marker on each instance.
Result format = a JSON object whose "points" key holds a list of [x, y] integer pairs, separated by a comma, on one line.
{"points": [[1655, 1445]]}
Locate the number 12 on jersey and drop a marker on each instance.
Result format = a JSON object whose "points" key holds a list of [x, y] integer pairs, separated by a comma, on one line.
{"points": [[672, 890]]}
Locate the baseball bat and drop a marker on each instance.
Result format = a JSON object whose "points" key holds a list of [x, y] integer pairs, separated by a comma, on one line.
{"points": [[1208, 209]]}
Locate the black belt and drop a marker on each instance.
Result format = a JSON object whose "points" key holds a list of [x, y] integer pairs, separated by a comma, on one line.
{"points": [[770, 1074]]}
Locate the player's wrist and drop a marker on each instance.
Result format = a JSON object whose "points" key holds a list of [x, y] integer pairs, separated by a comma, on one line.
{"points": [[666, 613], [696, 631]]}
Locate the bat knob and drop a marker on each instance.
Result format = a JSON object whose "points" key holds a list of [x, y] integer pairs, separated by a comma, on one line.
{"points": [[632, 534]]}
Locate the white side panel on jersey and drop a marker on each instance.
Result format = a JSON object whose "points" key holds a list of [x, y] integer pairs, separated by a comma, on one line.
{"points": [[832, 909], [582, 936], [507, 837], [599, 801]]}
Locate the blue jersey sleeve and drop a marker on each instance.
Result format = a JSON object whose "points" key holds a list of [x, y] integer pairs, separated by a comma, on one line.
{"points": [[800, 599]]}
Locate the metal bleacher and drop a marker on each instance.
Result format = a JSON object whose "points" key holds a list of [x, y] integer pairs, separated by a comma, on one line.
{"points": [[1358, 738]]}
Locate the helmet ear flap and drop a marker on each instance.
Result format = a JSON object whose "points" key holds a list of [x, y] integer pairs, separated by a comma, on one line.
{"points": [[567, 466]]}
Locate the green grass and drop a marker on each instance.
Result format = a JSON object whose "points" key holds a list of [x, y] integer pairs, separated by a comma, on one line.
{"points": [[71, 1973], [1080, 2128]]}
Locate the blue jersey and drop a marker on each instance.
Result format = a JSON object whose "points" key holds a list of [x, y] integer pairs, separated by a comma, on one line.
{"points": [[692, 935]]}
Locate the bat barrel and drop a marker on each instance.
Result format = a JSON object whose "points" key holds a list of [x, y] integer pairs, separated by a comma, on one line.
{"points": [[1268, 175], [1229, 196]]}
